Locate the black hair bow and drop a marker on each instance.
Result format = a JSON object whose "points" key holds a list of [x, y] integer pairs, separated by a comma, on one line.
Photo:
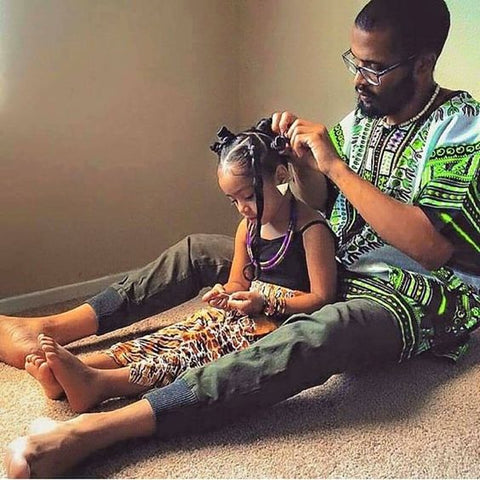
{"points": [[225, 137]]}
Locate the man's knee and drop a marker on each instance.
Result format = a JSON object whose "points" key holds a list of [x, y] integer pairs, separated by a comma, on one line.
{"points": [[205, 258], [356, 328], [324, 326], [208, 246]]}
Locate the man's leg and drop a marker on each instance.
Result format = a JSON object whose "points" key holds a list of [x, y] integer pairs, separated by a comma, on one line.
{"points": [[51, 448], [304, 352], [19, 336], [176, 276]]}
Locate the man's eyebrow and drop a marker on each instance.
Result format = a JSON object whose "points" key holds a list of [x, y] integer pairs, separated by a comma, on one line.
{"points": [[366, 60]]}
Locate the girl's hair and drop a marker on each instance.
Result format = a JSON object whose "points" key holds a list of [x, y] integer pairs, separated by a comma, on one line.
{"points": [[252, 153]]}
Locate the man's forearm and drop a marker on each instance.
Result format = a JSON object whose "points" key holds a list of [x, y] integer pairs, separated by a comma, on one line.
{"points": [[403, 226]]}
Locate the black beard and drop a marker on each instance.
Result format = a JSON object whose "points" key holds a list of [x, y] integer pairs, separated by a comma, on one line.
{"points": [[403, 94], [369, 112]]}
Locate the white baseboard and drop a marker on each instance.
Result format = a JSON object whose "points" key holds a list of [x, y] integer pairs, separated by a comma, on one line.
{"points": [[12, 305]]}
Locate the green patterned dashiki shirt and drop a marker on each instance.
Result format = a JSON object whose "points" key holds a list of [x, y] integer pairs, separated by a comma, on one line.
{"points": [[432, 163]]}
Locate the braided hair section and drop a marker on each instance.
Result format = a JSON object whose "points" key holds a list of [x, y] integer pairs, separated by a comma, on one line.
{"points": [[254, 153]]}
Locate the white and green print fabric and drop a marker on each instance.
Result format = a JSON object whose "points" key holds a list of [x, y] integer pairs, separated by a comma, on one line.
{"points": [[432, 163]]}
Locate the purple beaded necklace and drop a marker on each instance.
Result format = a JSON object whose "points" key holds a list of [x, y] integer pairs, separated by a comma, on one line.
{"points": [[287, 239]]}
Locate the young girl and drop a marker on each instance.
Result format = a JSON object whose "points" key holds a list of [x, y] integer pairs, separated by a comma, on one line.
{"points": [[284, 263]]}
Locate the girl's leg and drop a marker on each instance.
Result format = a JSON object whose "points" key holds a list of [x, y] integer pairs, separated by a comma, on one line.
{"points": [[36, 365], [83, 385], [64, 444], [155, 359], [100, 360], [201, 338]]}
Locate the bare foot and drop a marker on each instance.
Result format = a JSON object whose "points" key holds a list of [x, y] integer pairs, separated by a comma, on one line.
{"points": [[81, 383], [52, 448], [38, 368], [49, 450], [18, 338]]}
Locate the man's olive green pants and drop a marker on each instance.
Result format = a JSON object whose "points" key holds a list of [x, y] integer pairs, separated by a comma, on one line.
{"points": [[305, 351]]}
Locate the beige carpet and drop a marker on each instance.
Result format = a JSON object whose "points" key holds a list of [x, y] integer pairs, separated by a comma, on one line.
{"points": [[416, 420]]}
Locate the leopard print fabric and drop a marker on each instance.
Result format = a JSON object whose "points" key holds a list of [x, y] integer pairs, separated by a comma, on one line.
{"points": [[210, 333]]}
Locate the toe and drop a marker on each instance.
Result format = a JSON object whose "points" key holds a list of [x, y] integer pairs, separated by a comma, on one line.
{"points": [[47, 347], [15, 462], [38, 361], [51, 357]]}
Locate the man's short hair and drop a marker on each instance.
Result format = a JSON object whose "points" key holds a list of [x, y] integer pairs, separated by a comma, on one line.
{"points": [[419, 26]]}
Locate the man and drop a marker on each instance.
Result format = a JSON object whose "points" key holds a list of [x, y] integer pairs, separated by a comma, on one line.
{"points": [[402, 176]]}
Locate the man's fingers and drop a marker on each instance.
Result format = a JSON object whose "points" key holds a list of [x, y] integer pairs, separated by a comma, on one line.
{"points": [[286, 121], [276, 121], [300, 144], [281, 121]]}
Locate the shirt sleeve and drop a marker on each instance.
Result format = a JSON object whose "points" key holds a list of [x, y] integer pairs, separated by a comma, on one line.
{"points": [[338, 139], [449, 188]]}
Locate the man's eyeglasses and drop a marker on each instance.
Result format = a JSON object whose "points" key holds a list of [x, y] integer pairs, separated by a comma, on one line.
{"points": [[373, 77]]}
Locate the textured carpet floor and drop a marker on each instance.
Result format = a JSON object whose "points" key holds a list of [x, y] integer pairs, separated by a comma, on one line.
{"points": [[417, 420]]}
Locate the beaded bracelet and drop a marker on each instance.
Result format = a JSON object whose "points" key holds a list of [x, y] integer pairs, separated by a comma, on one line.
{"points": [[274, 306]]}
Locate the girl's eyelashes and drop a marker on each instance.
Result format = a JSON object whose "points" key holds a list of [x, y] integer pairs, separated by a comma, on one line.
{"points": [[250, 198]]}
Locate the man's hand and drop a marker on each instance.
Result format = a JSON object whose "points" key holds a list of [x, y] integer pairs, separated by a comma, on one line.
{"points": [[282, 121], [310, 153], [310, 144]]}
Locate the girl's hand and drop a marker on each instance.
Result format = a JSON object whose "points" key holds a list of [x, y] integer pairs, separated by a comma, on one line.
{"points": [[247, 303], [217, 297]]}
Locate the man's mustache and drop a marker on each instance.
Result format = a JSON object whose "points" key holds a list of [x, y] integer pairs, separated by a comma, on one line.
{"points": [[364, 91]]}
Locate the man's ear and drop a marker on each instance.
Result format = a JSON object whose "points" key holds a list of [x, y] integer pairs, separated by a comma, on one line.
{"points": [[425, 63]]}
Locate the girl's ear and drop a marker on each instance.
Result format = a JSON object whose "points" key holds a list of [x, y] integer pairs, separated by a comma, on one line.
{"points": [[282, 178], [282, 175]]}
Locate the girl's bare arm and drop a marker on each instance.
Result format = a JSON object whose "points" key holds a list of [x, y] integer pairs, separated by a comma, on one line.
{"points": [[322, 271]]}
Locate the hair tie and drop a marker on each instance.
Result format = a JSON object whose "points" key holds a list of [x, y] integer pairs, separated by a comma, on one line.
{"points": [[280, 143], [225, 137]]}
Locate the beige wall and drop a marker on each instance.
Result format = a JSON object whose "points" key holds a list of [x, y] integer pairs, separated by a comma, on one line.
{"points": [[107, 108], [290, 53], [459, 65]]}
